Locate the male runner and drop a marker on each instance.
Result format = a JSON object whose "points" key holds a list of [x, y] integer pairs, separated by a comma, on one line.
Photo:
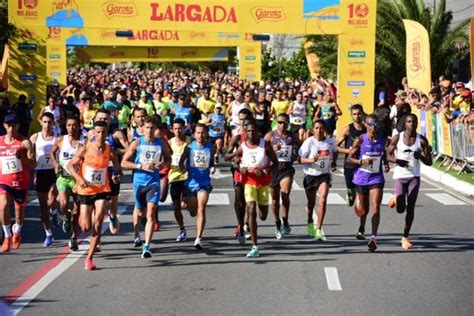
{"points": [[199, 165], [150, 155], [318, 154], [284, 145], [407, 149], [256, 160], [16, 158], [92, 184], [136, 131], [45, 176], [65, 148], [368, 151]]}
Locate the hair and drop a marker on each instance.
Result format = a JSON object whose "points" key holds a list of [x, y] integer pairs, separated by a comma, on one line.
{"points": [[246, 112], [48, 115], [203, 126], [151, 119], [248, 122], [284, 115], [105, 111], [73, 117], [412, 115], [357, 106], [100, 124], [138, 109], [322, 123], [179, 121], [371, 116]]}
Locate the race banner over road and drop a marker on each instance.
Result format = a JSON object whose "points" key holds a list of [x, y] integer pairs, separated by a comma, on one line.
{"points": [[418, 64]]}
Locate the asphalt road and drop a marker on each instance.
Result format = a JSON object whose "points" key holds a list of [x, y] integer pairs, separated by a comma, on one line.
{"points": [[295, 275]]}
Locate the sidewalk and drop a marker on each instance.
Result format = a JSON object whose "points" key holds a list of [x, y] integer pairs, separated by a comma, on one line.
{"points": [[447, 180]]}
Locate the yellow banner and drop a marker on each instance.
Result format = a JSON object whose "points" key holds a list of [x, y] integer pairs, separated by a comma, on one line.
{"points": [[56, 62], [472, 48], [312, 60], [250, 59], [150, 54], [266, 16], [446, 135], [356, 60], [418, 64], [429, 127]]}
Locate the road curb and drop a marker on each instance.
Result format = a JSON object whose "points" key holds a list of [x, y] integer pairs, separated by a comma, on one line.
{"points": [[447, 180]]}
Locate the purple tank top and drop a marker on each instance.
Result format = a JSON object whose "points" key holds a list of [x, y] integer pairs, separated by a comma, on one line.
{"points": [[370, 174]]}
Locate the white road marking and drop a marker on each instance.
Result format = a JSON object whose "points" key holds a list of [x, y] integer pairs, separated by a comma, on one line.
{"points": [[214, 199], [23, 301], [385, 198], [332, 279], [335, 199], [296, 187], [445, 199]]}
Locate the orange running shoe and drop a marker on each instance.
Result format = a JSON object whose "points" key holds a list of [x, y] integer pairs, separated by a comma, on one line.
{"points": [[16, 240], [406, 243], [7, 244], [392, 201]]}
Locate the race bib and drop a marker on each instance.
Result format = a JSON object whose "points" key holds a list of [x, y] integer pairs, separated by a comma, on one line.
{"points": [[44, 162], [11, 164], [410, 157], [322, 165], [150, 154], [200, 159], [374, 166], [175, 158], [296, 120], [327, 115], [95, 176], [284, 154], [217, 129]]}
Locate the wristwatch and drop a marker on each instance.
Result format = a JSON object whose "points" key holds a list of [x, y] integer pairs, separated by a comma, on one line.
{"points": [[139, 166]]}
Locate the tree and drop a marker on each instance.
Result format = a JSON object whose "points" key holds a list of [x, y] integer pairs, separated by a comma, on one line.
{"points": [[325, 46], [7, 29], [391, 39]]}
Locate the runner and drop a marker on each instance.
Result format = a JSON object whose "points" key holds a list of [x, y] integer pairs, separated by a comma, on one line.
{"points": [[347, 137], [407, 149], [368, 151], [239, 198], [297, 113], [45, 176], [92, 184], [284, 145], [318, 154], [199, 165], [216, 131], [65, 148], [177, 176], [136, 131], [256, 160], [17, 156], [151, 155]]}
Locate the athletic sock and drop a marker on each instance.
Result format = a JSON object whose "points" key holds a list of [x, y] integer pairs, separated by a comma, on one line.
{"points": [[16, 228], [7, 231], [278, 224], [48, 232], [285, 221]]}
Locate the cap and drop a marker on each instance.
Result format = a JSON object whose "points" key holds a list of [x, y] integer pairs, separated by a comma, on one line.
{"points": [[459, 84], [143, 94], [218, 106], [11, 118], [401, 94], [466, 93]]}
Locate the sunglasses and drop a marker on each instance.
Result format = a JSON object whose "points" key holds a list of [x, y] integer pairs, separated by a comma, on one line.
{"points": [[371, 124], [282, 122]]}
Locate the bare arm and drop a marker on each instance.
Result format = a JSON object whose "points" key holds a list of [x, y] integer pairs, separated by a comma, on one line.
{"points": [[30, 158], [341, 139], [183, 158], [126, 163], [54, 153], [120, 137], [77, 160], [355, 148], [230, 154]]}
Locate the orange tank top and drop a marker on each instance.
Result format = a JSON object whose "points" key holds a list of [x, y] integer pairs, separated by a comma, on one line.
{"points": [[94, 171]]}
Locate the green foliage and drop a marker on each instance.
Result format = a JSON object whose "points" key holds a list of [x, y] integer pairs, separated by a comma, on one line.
{"points": [[325, 47], [274, 69], [7, 29]]}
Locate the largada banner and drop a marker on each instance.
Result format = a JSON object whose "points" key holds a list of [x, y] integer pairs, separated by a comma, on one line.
{"points": [[264, 16], [151, 54], [418, 65], [250, 59]]}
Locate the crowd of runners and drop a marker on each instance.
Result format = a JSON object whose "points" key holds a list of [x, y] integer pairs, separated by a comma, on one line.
{"points": [[172, 128]]}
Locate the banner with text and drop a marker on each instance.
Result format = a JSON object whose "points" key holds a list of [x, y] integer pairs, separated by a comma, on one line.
{"points": [[250, 60]]}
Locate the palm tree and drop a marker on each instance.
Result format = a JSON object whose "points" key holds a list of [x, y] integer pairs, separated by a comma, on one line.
{"points": [[390, 42]]}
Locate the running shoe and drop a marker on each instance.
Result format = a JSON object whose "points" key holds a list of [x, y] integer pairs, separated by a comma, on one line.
{"points": [[114, 224], [16, 240], [146, 253], [7, 244], [181, 235], [90, 265], [286, 229], [406, 243], [360, 236], [311, 230], [197, 243], [56, 219], [241, 239], [137, 242], [67, 225], [73, 244], [278, 234], [48, 241], [372, 244], [157, 226], [320, 235], [247, 232], [254, 252]]}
